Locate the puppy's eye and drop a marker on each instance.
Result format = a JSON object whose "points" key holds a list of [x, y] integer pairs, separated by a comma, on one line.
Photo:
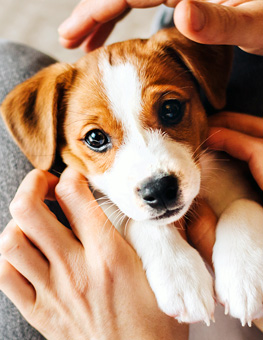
{"points": [[171, 112], [97, 140]]}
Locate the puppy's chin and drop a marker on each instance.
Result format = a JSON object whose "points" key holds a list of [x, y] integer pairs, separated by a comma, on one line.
{"points": [[171, 216], [166, 217]]}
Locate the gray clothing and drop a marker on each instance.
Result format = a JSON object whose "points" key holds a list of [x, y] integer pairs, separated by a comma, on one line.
{"points": [[18, 63]]}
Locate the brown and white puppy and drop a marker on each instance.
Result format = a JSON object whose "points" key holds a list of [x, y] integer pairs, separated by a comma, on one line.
{"points": [[129, 117]]}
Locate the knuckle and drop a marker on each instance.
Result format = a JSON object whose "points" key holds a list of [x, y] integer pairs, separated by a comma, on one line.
{"points": [[228, 20], [38, 173], [69, 190], [64, 188], [10, 240], [22, 204]]}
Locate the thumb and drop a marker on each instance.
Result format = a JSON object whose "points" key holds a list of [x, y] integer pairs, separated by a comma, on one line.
{"points": [[210, 23], [86, 218]]}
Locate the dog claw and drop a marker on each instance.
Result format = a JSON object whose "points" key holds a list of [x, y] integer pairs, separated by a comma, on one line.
{"points": [[207, 321], [226, 308], [243, 322], [249, 323]]}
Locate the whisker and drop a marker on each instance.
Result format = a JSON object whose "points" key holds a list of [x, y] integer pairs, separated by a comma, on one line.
{"points": [[108, 219], [119, 218], [203, 142], [125, 227]]}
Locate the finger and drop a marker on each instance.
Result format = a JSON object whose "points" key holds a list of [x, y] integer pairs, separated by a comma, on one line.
{"points": [[85, 216], [35, 219], [39, 183], [211, 23], [22, 255], [98, 37], [241, 146], [95, 37], [201, 230], [16, 287], [247, 124], [89, 13], [71, 44]]}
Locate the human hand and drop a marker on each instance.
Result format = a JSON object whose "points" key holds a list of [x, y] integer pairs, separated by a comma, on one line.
{"points": [[230, 22], [227, 22], [241, 136], [92, 21], [80, 284]]}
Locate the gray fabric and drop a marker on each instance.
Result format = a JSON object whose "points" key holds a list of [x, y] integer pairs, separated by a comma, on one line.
{"points": [[17, 63]]}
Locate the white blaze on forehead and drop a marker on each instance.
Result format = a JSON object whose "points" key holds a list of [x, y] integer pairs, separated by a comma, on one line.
{"points": [[123, 89]]}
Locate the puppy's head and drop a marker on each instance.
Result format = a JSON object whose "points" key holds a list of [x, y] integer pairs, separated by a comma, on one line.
{"points": [[129, 117]]}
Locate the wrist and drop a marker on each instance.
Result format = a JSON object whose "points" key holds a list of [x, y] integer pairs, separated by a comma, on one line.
{"points": [[155, 326]]}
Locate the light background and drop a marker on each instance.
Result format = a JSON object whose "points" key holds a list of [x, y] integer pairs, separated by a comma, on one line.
{"points": [[35, 23]]}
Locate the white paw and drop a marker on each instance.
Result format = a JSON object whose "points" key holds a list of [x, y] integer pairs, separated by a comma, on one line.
{"points": [[239, 285], [238, 263], [183, 287]]}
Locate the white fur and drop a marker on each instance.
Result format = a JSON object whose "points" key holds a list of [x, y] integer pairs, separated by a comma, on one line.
{"points": [[238, 250], [123, 89], [144, 153], [238, 260], [176, 272], [137, 161]]}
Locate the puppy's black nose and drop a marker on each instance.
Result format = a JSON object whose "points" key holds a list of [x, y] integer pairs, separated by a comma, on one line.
{"points": [[160, 193]]}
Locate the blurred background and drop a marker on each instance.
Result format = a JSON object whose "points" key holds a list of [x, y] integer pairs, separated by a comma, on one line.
{"points": [[35, 23]]}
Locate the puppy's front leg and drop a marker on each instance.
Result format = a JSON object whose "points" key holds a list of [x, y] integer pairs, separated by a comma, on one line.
{"points": [[238, 260], [177, 274]]}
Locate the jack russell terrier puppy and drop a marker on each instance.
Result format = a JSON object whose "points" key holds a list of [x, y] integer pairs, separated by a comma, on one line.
{"points": [[129, 117]]}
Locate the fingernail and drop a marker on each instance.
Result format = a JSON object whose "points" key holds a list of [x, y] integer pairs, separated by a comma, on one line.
{"points": [[197, 18]]}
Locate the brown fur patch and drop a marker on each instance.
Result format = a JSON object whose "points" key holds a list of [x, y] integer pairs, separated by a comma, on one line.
{"points": [[88, 108], [72, 99], [162, 77]]}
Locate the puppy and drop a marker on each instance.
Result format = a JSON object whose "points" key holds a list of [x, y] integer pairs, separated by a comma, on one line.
{"points": [[129, 117]]}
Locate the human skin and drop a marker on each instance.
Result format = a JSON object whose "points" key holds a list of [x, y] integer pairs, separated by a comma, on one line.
{"points": [[231, 22], [84, 283], [241, 136], [90, 276]]}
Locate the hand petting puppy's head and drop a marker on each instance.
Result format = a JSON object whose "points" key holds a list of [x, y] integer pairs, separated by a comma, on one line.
{"points": [[127, 116]]}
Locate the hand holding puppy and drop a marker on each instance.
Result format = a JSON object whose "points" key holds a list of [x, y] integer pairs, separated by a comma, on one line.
{"points": [[102, 276], [231, 22], [36, 289], [80, 284]]}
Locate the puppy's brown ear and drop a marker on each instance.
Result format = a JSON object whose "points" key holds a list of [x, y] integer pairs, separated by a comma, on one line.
{"points": [[30, 112], [209, 64]]}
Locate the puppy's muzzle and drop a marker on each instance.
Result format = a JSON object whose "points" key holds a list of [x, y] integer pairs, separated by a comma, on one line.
{"points": [[160, 193]]}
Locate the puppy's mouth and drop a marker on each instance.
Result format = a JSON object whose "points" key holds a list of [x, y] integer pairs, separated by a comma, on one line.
{"points": [[168, 214]]}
